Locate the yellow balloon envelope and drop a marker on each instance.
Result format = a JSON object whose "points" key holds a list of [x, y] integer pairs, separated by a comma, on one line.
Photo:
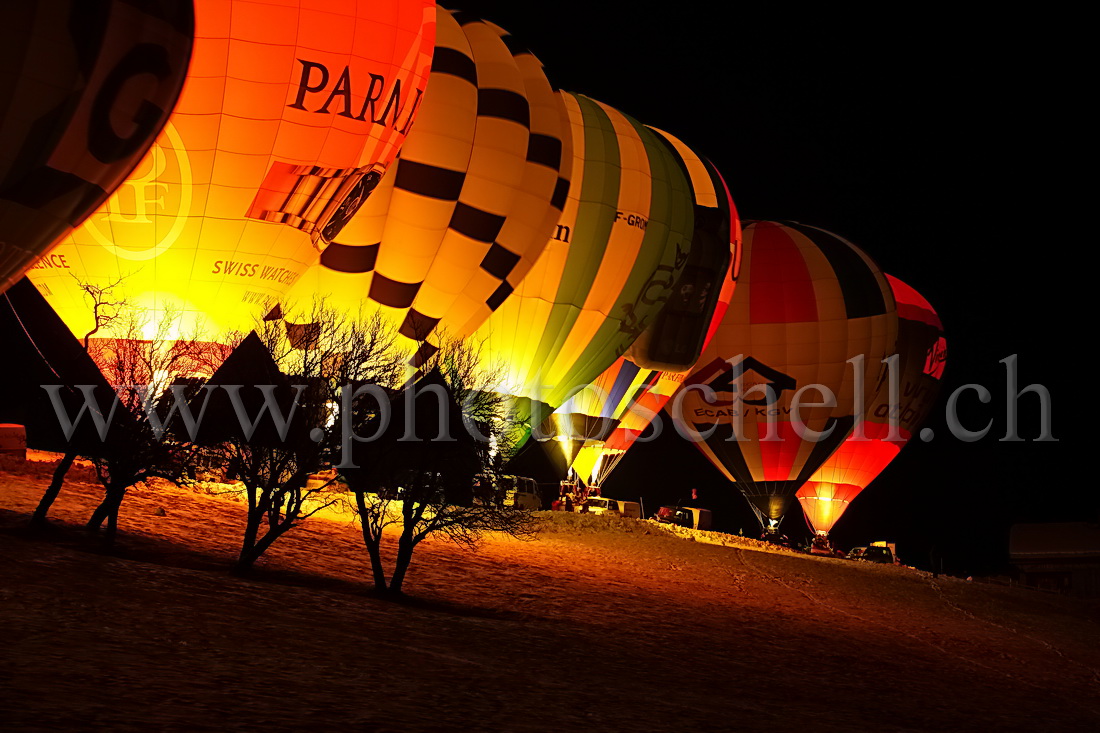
{"points": [[464, 213], [628, 397]]}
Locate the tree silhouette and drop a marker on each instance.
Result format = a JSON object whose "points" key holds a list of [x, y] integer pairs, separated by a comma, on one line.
{"points": [[432, 469], [146, 361], [305, 367]]}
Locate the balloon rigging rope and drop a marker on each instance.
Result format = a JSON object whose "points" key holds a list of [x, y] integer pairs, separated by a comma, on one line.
{"points": [[31, 338]]}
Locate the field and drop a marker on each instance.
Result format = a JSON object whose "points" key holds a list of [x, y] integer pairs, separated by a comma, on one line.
{"points": [[597, 625]]}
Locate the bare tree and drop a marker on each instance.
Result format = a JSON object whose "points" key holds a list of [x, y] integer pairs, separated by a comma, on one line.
{"points": [[326, 351], [147, 362], [41, 512], [148, 352], [105, 309], [128, 357], [106, 306], [439, 488]]}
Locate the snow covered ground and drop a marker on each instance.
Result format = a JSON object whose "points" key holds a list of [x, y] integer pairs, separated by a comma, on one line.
{"points": [[600, 624]]}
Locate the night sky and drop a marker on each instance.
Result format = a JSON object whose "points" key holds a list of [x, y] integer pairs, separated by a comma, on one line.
{"points": [[939, 145]]}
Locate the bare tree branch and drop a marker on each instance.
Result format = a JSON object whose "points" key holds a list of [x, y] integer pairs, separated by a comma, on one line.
{"points": [[423, 507], [341, 349]]}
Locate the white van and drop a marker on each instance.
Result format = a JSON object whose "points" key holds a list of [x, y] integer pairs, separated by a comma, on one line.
{"points": [[597, 505], [521, 492], [604, 505]]}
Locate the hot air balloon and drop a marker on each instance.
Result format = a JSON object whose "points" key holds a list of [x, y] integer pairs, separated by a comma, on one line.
{"points": [[626, 396], [85, 89], [902, 402], [579, 430], [464, 213], [811, 313], [290, 114], [612, 258], [675, 339]]}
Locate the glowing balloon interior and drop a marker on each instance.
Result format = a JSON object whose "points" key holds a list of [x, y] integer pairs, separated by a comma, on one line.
{"points": [[899, 407], [289, 115]]}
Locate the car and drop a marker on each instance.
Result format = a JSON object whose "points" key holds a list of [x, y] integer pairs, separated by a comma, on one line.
{"points": [[598, 505], [856, 553], [878, 554], [605, 505], [672, 515], [690, 517]]}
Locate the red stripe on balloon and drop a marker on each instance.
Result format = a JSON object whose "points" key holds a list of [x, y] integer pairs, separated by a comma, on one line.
{"points": [[781, 289]]}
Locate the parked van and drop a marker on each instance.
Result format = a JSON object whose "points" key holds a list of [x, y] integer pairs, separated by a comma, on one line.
{"points": [[630, 509], [521, 492]]}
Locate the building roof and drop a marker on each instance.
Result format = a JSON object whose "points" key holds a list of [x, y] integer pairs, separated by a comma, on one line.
{"points": [[1054, 540]]}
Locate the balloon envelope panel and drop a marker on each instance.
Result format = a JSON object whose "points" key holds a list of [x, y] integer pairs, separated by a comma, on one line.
{"points": [[589, 418], [609, 264], [921, 352], [674, 341], [673, 335], [464, 213]]}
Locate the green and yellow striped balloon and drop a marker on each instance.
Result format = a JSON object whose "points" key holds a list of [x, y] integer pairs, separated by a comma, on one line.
{"points": [[619, 246], [600, 424]]}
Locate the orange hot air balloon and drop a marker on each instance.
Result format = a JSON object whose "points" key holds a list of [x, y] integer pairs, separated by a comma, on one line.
{"points": [[809, 306], [290, 113], [580, 428], [597, 426], [464, 213], [921, 352], [86, 87]]}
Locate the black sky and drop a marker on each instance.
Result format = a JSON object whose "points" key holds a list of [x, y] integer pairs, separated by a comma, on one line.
{"points": [[946, 145]]}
